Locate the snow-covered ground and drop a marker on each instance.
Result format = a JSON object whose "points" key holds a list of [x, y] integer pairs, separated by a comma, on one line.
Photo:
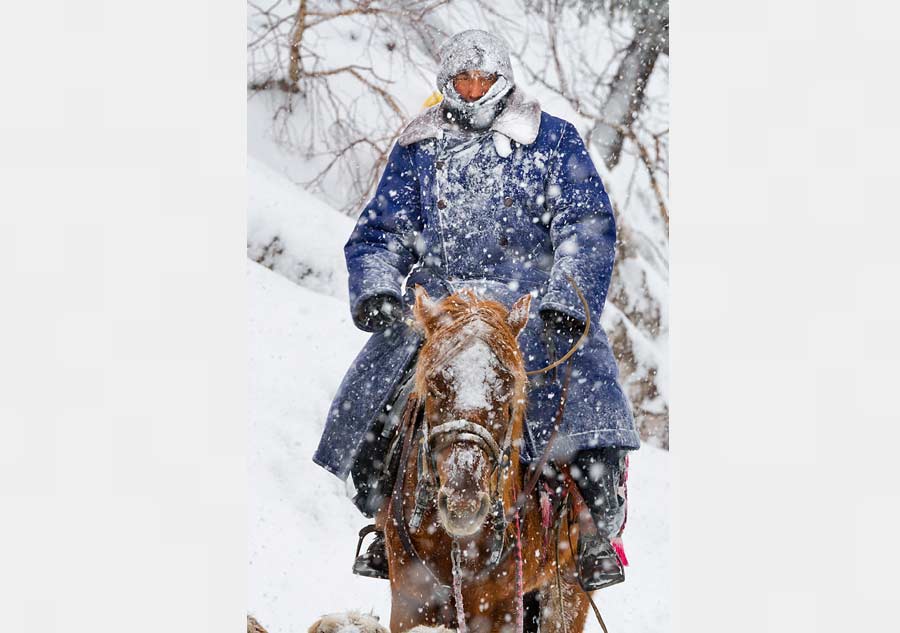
{"points": [[302, 524], [294, 233]]}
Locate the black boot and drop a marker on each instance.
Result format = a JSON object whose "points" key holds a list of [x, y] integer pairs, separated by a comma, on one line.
{"points": [[598, 476], [373, 563], [598, 564]]}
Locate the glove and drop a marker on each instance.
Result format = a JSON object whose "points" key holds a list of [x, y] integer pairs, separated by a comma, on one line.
{"points": [[560, 332], [379, 312], [562, 324]]}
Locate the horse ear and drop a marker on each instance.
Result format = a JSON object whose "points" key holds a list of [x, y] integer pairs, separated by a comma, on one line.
{"points": [[425, 310], [518, 314]]}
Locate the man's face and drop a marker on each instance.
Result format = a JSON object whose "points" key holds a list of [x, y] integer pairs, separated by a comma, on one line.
{"points": [[473, 84]]}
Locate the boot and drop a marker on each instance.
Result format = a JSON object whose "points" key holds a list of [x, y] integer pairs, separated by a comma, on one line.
{"points": [[373, 563], [598, 564]]}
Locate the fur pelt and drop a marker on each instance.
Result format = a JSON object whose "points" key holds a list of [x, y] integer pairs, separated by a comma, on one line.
{"points": [[348, 622], [519, 121]]}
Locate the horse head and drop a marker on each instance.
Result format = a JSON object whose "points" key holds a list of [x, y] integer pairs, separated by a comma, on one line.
{"points": [[471, 376]]}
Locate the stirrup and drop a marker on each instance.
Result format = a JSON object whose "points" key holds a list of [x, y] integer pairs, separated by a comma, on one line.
{"points": [[604, 569], [373, 563]]}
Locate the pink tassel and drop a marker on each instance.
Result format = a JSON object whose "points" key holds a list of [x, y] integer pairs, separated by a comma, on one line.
{"points": [[546, 509], [546, 518], [619, 546]]}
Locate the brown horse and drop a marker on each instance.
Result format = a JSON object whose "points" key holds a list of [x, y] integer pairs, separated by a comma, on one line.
{"points": [[464, 543]]}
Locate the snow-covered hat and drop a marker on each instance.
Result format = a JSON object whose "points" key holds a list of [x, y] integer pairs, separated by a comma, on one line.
{"points": [[474, 50]]}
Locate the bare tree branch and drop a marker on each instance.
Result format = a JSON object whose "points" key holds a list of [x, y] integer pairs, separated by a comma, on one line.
{"points": [[296, 59]]}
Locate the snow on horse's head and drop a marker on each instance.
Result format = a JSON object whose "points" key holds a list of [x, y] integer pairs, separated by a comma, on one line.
{"points": [[471, 376]]}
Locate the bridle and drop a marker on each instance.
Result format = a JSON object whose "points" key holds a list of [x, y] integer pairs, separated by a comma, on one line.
{"points": [[499, 457]]}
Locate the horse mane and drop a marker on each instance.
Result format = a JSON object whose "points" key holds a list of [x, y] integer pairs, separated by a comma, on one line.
{"points": [[444, 322]]}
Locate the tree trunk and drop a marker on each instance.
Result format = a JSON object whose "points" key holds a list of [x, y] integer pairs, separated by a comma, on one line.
{"points": [[627, 95]]}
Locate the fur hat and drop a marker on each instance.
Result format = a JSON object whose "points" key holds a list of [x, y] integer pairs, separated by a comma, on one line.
{"points": [[474, 50]]}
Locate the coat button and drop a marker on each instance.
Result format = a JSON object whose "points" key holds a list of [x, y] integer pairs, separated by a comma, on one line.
{"points": [[442, 204], [507, 201], [439, 164], [504, 241]]}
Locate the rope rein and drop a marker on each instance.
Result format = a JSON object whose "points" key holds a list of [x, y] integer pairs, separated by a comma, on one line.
{"points": [[520, 580], [457, 587], [578, 343]]}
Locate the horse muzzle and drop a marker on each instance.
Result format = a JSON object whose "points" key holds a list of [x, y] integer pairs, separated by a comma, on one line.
{"points": [[462, 515]]}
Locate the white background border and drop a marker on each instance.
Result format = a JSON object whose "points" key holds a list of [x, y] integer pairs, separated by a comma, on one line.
{"points": [[785, 424], [122, 414], [122, 419]]}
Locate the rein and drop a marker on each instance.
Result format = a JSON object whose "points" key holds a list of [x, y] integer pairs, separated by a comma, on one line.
{"points": [[578, 343], [457, 587], [538, 468]]}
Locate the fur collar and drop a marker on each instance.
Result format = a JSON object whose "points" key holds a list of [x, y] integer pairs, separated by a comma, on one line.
{"points": [[519, 121]]}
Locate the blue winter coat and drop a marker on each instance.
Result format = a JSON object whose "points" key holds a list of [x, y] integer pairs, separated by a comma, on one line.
{"points": [[509, 225]]}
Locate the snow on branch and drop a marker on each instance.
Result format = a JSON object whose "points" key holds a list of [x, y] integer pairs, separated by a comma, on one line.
{"points": [[326, 111]]}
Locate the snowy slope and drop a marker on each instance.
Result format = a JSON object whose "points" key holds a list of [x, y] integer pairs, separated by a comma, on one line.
{"points": [[302, 524], [292, 232]]}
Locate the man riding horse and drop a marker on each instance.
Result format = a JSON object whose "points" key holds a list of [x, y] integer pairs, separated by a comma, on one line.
{"points": [[486, 191]]}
